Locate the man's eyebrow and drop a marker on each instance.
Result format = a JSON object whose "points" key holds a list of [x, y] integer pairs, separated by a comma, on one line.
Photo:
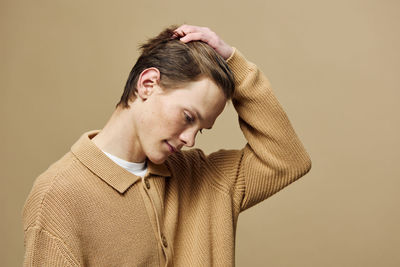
{"points": [[200, 117]]}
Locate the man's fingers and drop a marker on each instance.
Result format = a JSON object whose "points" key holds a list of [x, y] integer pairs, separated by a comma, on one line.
{"points": [[187, 33], [192, 37], [200, 36], [186, 29]]}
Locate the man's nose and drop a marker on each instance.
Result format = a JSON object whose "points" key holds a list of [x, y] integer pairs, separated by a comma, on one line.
{"points": [[188, 137]]}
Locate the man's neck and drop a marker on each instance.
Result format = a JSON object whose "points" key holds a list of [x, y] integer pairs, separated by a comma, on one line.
{"points": [[118, 137]]}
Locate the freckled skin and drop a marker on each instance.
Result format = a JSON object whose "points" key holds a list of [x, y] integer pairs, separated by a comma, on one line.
{"points": [[162, 117]]}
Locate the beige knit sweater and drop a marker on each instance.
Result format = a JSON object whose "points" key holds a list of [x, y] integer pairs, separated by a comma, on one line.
{"points": [[87, 211]]}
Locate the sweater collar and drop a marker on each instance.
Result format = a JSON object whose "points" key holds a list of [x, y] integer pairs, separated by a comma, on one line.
{"points": [[106, 169]]}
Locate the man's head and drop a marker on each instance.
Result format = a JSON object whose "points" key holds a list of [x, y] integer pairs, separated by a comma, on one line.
{"points": [[178, 64], [174, 91]]}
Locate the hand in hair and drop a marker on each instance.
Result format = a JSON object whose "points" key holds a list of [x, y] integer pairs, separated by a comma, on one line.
{"points": [[187, 33]]}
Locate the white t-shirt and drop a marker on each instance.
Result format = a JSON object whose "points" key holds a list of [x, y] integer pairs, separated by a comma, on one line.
{"points": [[138, 169]]}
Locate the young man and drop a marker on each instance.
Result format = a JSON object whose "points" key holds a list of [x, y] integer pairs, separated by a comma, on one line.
{"points": [[128, 196]]}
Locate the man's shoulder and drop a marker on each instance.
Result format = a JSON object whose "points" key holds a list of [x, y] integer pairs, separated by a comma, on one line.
{"points": [[196, 160], [52, 188], [197, 156], [64, 169], [186, 157]]}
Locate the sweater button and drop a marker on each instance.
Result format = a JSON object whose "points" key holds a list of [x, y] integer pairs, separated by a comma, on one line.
{"points": [[147, 183], [164, 241]]}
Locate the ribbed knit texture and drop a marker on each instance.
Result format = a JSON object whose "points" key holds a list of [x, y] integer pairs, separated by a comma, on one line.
{"points": [[85, 210]]}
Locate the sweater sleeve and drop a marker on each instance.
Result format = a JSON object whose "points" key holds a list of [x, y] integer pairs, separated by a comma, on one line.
{"points": [[273, 157], [44, 249]]}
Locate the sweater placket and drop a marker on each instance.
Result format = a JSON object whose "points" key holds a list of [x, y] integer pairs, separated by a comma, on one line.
{"points": [[154, 209]]}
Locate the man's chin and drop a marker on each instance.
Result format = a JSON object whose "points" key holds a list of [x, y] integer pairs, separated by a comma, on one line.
{"points": [[157, 160]]}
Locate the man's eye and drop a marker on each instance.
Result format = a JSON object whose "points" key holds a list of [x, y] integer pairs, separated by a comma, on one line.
{"points": [[188, 118]]}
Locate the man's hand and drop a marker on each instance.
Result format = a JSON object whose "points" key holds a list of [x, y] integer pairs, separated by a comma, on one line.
{"points": [[187, 33]]}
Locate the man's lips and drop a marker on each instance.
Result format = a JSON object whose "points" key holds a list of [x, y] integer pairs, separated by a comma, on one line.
{"points": [[171, 148]]}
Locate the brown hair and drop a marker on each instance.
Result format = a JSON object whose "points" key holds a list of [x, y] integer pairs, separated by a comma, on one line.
{"points": [[179, 63]]}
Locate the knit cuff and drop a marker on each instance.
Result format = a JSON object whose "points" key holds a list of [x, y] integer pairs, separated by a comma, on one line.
{"points": [[239, 65]]}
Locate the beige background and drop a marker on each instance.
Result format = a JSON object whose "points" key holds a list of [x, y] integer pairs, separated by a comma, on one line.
{"points": [[334, 66]]}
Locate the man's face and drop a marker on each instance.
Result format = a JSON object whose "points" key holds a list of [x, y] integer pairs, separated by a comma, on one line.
{"points": [[170, 119]]}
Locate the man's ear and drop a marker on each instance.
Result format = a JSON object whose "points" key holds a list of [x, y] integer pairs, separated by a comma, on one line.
{"points": [[147, 83]]}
